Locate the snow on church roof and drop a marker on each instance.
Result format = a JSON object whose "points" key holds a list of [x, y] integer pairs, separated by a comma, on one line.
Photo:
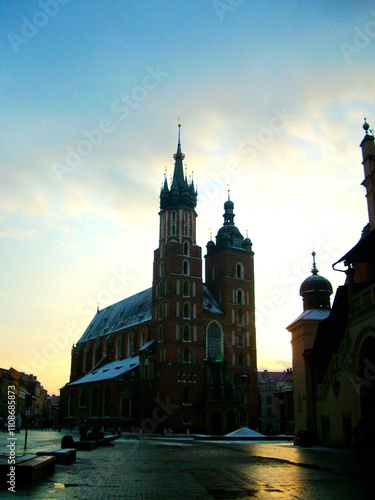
{"points": [[109, 371], [210, 304], [128, 312], [133, 311]]}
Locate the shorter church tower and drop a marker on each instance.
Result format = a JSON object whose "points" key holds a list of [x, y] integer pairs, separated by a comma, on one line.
{"points": [[229, 273]]}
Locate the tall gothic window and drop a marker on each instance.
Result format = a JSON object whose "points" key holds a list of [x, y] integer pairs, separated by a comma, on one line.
{"points": [[186, 248], [239, 271], [186, 333], [186, 310], [94, 402], [215, 273], [185, 268], [214, 339], [186, 356]]}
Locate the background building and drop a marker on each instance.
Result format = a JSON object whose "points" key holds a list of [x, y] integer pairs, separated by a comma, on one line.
{"points": [[276, 400], [31, 399], [180, 355]]}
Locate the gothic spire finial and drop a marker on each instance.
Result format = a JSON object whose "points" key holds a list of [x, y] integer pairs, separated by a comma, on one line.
{"points": [[314, 269], [365, 126]]}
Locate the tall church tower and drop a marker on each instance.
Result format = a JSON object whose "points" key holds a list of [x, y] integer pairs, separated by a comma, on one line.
{"points": [[177, 294]]}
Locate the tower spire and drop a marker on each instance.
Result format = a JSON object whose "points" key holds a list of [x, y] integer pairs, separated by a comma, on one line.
{"points": [[314, 269], [178, 174], [181, 193]]}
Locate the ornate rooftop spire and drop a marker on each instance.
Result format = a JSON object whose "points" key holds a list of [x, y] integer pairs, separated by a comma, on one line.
{"points": [[314, 269], [181, 193], [365, 126]]}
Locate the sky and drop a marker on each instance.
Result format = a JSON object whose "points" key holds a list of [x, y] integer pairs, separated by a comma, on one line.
{"points": [[271, 97]]}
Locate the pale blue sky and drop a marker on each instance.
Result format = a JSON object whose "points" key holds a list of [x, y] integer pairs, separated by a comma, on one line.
{"points": [[271, 96]]}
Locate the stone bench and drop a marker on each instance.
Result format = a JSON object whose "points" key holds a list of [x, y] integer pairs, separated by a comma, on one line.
{"points": [[28, 468], [84, 445], [63, 456]]}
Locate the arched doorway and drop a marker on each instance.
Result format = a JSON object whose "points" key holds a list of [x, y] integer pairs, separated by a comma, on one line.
{"points": [[216, 427]]}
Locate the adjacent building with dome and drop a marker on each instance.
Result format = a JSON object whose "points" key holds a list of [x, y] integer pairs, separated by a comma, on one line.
{"points": [[334, 348], [180, 355], [315, 292]]}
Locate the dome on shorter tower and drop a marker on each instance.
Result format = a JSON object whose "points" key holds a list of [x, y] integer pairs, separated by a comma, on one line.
{"points": [[316, 290]]}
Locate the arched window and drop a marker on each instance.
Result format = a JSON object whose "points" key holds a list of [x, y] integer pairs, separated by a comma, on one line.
{"points": [[85, 359], [117, 349], [186, 356], [130, 345], [186, 396], [186, 333], [192, 376], [239, 296], [94, 402], [215, 273], [161, 269], [160, 290], [186, 248], [186, 310], [240, 359], [177, 287], [186, 289], [239, 271], [160, 311], [240, 318], [186, 268], [214, 339], [82, 397], [178, 355]]}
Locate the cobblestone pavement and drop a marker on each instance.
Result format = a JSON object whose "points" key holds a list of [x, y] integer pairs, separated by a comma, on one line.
{"points": [[186, 469]]}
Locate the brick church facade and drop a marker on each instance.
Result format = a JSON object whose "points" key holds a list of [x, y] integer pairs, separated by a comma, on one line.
{"points": [[180, 355]]}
